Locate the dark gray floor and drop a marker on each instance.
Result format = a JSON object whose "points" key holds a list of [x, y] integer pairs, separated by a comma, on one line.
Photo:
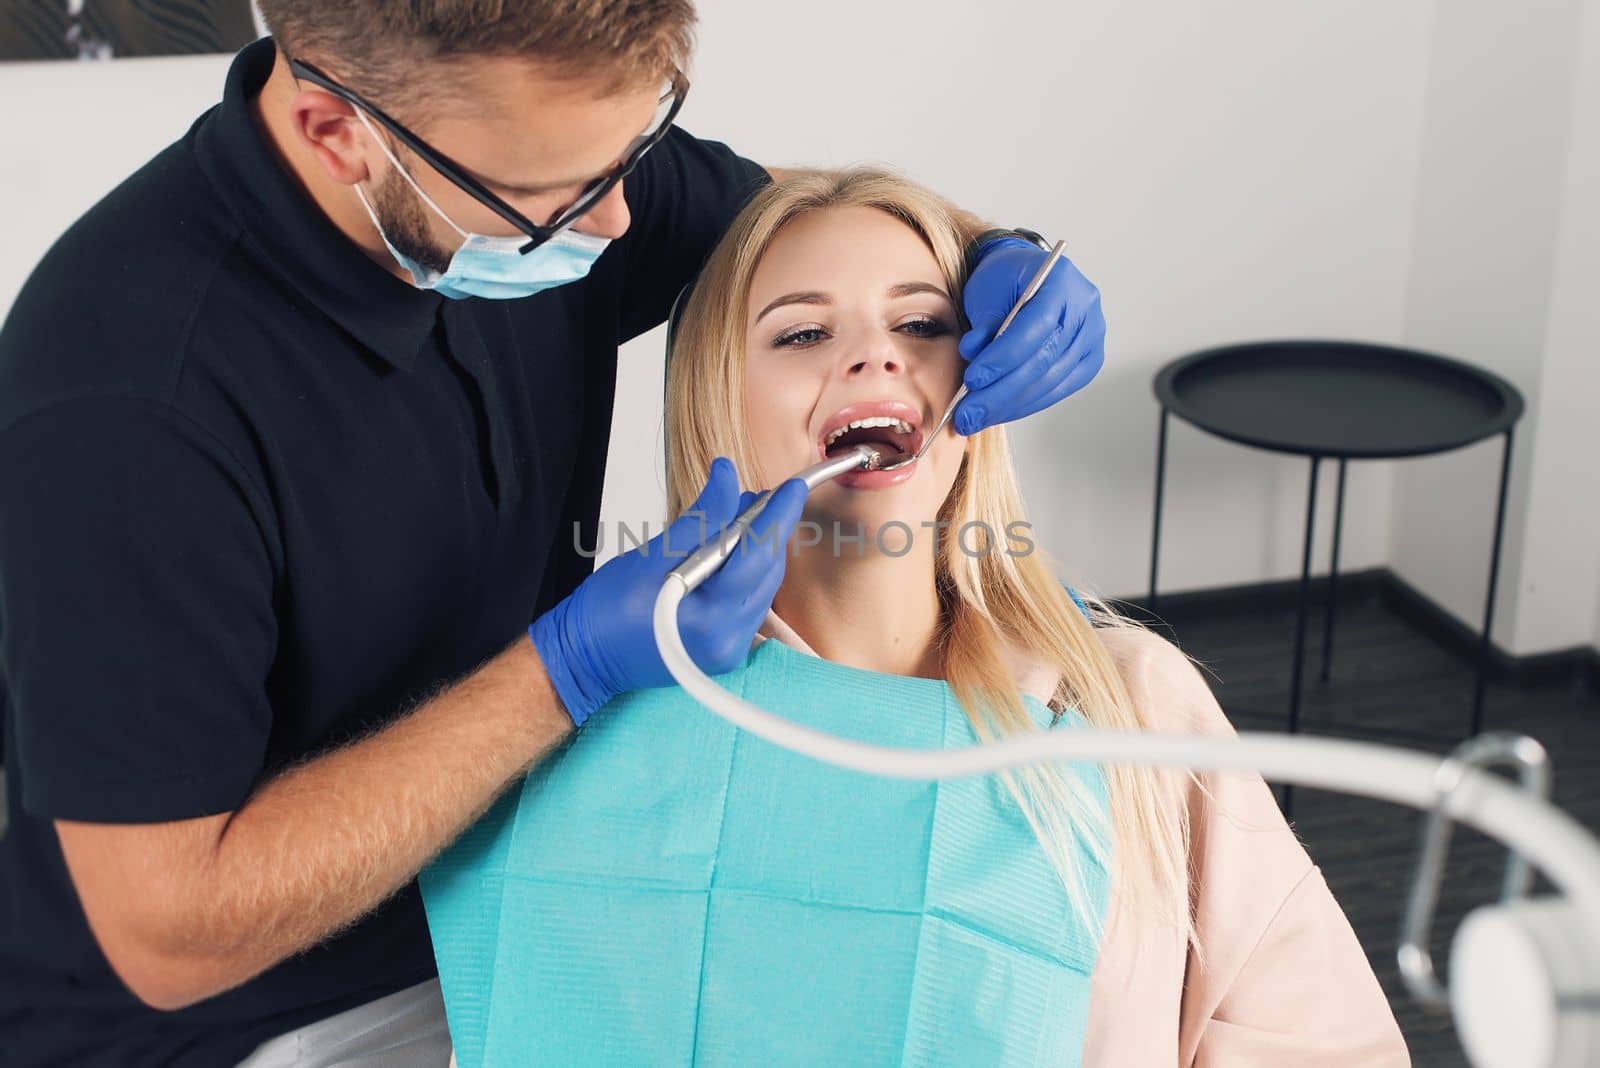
{"points": [[1387, 674]]}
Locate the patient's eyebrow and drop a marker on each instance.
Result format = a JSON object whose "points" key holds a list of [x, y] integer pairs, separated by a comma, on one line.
{"points": [[803, 297], [905, 289], [811, 296]]}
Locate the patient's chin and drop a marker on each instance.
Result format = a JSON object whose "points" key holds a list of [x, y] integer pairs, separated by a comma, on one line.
{"points": [[853, 523]]}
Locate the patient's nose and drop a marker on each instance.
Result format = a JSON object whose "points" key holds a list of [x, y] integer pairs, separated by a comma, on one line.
{"points": [[879, 358]]}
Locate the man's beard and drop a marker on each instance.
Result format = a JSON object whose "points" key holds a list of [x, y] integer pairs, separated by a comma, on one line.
{"points": [[405, 222]]}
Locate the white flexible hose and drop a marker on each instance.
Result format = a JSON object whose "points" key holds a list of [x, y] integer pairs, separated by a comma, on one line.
{"points": [[1547, 837]]}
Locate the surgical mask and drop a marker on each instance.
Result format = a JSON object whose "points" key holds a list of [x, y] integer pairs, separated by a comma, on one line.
{"points": [[489, 266]]}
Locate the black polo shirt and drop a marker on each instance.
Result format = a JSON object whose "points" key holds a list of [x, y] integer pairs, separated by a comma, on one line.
{"points": [[257, 497]]}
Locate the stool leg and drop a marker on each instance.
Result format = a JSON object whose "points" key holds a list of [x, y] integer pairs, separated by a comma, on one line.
{"points": [[1333, 576], [1300, 622], [1155, 531], [1494, 581]]}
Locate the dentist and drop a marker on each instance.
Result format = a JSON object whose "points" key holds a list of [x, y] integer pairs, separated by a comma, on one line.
{"points": [[296, 426]]}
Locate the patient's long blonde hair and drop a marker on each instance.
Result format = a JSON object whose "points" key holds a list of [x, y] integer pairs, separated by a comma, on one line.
{"points": [[987, 599]]}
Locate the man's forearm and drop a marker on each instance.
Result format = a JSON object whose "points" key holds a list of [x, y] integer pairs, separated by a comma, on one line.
{"points": [[324, 843]]}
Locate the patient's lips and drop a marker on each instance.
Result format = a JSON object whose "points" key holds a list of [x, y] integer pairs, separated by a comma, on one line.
{"points": [[891, 427]]}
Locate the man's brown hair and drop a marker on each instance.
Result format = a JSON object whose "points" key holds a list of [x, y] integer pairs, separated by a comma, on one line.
{"points": [[387, 50]]}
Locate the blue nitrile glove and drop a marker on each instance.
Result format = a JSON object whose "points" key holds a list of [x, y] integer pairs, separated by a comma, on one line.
{"points": [[1051, 350], [599, 642]]}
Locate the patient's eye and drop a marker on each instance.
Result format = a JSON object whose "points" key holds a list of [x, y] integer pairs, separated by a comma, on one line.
{"points": [[923, 326], [799, 337]]}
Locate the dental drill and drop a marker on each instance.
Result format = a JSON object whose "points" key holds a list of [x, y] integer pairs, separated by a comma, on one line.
{"points": [[704, 561]]}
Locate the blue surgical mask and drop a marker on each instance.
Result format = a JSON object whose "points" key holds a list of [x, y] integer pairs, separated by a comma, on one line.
{"points": [[489, 266]]}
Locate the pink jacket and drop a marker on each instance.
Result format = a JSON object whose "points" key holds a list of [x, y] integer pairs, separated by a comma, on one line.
{"points": [[1287, 983]]}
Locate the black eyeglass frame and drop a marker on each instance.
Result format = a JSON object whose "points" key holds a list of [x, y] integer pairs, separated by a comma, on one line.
{"points": [[592, 193]]}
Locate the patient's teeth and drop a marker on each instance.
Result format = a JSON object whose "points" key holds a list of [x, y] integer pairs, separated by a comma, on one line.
{"points": [[900, 426]]}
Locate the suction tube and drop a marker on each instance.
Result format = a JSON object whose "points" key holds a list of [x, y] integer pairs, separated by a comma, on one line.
{"points": [[1539, 832]]}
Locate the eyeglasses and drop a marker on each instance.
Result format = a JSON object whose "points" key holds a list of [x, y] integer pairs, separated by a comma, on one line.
{"points": [[667, 108]]}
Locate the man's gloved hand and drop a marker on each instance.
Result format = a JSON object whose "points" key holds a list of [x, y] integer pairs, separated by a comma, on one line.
{"points": [[599, 642], [1051, 350]]}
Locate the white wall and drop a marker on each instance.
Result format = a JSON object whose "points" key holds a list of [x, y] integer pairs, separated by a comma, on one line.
{"points": [[1561, 560], [1596, 641], [69, 132], [1221, 172], [1500, 277]]}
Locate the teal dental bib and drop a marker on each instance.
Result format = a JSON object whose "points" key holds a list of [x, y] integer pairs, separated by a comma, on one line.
{"points": [[670, 891]]}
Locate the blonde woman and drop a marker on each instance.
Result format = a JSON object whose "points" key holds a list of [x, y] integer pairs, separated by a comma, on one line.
{"points": [[1224, 945], [1201, 931]]}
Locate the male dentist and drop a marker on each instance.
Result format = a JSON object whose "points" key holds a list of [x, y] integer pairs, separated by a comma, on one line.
{"points": [[295, 427]]}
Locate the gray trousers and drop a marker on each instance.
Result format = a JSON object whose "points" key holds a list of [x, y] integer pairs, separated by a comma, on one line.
{"points": [[403, 1030]]}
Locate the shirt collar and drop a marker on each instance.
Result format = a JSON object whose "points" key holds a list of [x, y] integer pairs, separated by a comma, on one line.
{"points": [[299, 242]]}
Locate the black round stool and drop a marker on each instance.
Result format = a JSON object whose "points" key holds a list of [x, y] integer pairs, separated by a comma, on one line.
{"points": [[1346, 401]]}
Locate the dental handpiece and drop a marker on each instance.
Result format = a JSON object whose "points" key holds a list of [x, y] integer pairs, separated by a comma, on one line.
{"points": [[704, 561]]}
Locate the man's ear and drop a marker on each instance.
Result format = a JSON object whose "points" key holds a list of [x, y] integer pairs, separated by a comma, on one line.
{"points": [[328, 126]]}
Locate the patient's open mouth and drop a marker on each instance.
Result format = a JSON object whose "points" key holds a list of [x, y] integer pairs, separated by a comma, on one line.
{"points": [[890, 428]]}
